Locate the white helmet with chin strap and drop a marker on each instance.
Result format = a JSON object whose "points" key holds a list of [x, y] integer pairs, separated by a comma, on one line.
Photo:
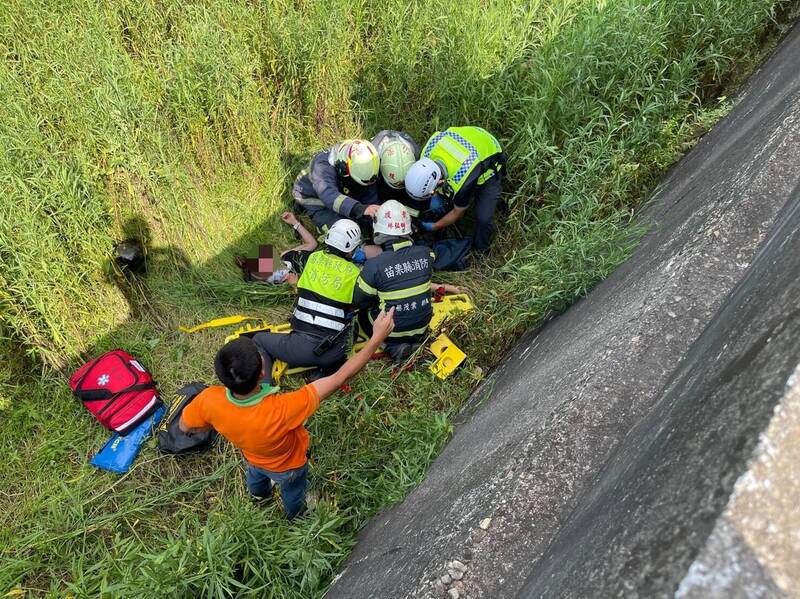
{"points": [[423, 178], [392, 219], [344, 235]]}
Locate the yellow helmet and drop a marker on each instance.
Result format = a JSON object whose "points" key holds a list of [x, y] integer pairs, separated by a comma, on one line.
{"points": [[396, 158], [357, 159]]}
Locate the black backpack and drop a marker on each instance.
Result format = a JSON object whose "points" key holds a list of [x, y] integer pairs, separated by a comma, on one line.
{"points": [[173, 440]]}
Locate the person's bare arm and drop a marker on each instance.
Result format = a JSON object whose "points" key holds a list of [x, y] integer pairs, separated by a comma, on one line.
{"points": [[383, 325], [309, 241], [372, 250], [292, 279], [449, 218], [449, 289]]}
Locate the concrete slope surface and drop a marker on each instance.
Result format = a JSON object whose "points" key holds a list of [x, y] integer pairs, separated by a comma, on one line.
{"points": [[600, 459]]}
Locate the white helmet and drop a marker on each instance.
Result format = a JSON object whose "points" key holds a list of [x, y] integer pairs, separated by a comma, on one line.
{"points": [[344, 235], [423, 178], [392, 219], [397, 156]]}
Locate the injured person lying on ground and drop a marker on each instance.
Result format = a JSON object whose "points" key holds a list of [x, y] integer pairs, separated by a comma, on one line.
{"points": [[291, 262]]}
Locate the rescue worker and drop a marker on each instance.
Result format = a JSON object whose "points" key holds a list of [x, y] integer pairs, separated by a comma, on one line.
{"points": [[339, 183], [460, 166], [399, 278], [397, 152], [321, 320]]}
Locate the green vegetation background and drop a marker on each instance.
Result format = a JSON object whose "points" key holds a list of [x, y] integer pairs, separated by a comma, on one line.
{"points": [[187, 122]]}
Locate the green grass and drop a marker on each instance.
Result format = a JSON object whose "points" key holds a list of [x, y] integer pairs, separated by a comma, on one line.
{"points": [[186, 122]]}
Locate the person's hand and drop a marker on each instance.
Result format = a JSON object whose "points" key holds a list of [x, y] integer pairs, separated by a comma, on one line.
{"points": [[427, 226], [291, 278], [371, 210], [383, 325], [452, 289], [289, 218], [437, 204]]}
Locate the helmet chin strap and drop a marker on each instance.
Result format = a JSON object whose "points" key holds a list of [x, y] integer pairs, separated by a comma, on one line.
{"points": [[442, 170]]}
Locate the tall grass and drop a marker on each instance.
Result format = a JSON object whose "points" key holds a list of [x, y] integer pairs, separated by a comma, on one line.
{"points": [[186, 122]]}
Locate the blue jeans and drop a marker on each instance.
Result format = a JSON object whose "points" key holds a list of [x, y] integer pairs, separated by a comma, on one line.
{"points": [[292, 483]]}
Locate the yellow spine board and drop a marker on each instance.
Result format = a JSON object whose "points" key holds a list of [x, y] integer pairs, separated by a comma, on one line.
{"points": [[448, 357], [261, 327], [217, 322], [450, 304]]}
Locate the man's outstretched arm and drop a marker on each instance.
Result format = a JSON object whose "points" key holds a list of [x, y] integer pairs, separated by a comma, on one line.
{"points": [[383, 325]]}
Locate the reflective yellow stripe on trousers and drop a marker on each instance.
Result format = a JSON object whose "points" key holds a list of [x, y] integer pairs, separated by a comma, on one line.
{"points": [[404, 293]]}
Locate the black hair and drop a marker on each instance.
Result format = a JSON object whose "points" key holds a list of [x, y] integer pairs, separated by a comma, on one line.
{"points": [[336, 252], [238, 365]]}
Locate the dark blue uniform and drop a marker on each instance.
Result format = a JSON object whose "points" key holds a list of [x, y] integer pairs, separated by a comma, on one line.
{"points": [[399, 278], [328, 197]]}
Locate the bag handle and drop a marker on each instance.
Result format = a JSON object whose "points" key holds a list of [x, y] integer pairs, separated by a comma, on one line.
{"points": [[100, 394], [94, 395], [89, 366]]}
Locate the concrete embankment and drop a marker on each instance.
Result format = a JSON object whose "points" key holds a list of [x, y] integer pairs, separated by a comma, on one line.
{"points": [[602, 457]]}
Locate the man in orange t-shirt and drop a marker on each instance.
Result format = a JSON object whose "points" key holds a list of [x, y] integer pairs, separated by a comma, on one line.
{"points": [[266, 425]]}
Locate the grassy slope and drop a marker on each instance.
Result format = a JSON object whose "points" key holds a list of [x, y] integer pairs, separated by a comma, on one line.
{"points": [[187, 122]]}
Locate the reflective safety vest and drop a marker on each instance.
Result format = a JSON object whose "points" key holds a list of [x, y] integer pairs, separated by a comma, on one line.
{"points": [[325, 291], [470, 154]]}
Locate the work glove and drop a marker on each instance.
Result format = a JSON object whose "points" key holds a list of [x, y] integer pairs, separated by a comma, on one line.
{"points": [[437, 204], [427, 226], [359, 257]]}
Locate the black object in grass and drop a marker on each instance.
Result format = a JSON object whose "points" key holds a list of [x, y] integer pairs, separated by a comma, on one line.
{"points": [[131, 256]]}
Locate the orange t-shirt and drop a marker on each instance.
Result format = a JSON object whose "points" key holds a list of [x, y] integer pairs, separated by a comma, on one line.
{"points": [[268, 428]]}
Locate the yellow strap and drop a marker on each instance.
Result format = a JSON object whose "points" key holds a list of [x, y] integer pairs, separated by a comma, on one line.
{"points": [[217, 322]]}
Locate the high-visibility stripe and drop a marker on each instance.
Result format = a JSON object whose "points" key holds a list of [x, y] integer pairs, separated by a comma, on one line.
{"points": [[318, 320], [404, 293], [402, 244], [488, 175], [337, 203], [366, 287], [320, 307], [457, 151], [309, 202], [418, 331]]}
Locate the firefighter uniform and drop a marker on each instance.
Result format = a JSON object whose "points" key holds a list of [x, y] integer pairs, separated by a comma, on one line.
{"points": [[474, 160], [321, 316], [399, 278], [327, 196]]}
